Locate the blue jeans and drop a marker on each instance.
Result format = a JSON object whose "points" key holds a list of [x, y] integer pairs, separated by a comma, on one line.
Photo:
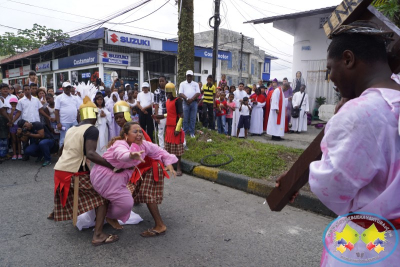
{"points": [[221, 121], [229, 123], [41, 149], [189, 114], [63, 132]]}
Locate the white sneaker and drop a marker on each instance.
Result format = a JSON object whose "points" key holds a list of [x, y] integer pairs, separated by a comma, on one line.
{"points": [[193, 136]]}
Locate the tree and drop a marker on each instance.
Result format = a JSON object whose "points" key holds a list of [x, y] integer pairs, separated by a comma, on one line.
{"points": [[389, 8], [28, 39], [185, 38]]}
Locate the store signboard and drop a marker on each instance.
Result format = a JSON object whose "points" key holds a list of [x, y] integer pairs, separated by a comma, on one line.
{"points": [[43, 66], [89, 58], [130, 40], [171, 46], [86, 75], [115, 58], [21, 71]]}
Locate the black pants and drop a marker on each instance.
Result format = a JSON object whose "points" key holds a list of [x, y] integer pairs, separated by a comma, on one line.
{"points": [[208, 115], [146, 122]]}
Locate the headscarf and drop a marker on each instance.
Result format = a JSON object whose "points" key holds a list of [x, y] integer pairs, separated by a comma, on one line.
{"points": [[110, 102]]}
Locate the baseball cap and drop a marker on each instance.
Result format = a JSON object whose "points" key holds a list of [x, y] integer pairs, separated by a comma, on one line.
{"points": [[145, 84], [66, 84], [128, 84], [189, 72], [13, 100]]}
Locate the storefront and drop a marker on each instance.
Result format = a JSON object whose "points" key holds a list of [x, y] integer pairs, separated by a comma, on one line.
{"points": [[18, 75], [44, 74]]}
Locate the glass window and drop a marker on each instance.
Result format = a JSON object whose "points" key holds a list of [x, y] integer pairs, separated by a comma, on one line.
{"points": [[128, 76], [252, 68], [47, 80], [197, 65], [78, 76], [267, 67], [61, 77], [230, 64], [159, 63]]}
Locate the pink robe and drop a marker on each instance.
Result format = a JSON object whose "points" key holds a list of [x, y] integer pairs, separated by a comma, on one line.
{"points": [[360, 166], [112, 186]]}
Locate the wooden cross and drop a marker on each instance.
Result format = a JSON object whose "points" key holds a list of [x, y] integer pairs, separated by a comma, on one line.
{"points": [[347, 12]]}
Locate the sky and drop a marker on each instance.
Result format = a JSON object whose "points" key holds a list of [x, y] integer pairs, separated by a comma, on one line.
{"points": [[72, 15]]}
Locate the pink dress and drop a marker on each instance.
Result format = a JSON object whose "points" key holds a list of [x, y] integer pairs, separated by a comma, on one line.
{"points": [[112, 186], [360, 166]]}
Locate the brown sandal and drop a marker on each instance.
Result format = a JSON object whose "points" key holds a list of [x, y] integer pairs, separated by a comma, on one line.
{"points": [[110, 239], [152, 233]]}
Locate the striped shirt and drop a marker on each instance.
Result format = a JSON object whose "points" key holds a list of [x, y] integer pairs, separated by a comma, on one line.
{"points": [[209, 93]]}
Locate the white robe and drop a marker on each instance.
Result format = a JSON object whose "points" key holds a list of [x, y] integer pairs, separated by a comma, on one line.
{"points": [[273, 128], [257, 118], [102, 125], [239, 95], [300, 123]]}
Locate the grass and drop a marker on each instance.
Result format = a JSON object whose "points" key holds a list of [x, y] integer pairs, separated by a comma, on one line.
{"points": [[250, 158]]}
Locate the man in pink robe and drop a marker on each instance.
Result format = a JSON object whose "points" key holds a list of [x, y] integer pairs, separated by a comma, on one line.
{"points": [[360, 167]]}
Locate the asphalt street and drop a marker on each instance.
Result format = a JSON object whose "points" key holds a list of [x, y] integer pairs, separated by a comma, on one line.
{"points": [[208, 225]]}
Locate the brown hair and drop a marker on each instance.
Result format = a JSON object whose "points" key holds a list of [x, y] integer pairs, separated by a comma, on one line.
{"points": [[40, 90], [125, 129]]}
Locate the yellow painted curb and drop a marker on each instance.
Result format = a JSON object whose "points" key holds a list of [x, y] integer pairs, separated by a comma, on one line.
{"points": [[258, 188], [206, 172]]}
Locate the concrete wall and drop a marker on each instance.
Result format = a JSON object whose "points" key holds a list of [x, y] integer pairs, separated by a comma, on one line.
{"points": [[307, 33]]}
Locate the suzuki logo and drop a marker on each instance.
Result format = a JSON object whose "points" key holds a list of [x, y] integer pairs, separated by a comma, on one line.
{"points": [[114, 38], [105, 53]]}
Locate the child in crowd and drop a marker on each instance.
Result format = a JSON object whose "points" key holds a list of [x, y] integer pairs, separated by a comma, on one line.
{"points": [[230, 108], [244, 120], [16, 142], [135, 114], [132, 100], [226, 90], [232, 89], [221, 113], [50, 110], [222, 83], [33, 78]]}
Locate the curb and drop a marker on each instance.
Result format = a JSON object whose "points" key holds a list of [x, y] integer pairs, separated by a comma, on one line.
{"points": [[305, 200]]}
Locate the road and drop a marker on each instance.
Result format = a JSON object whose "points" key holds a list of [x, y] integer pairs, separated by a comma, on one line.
{"points": [[208, 225]]}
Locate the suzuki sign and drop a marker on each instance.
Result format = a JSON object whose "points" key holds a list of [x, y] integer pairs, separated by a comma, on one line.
{"points": [[129, 40], [43, 66], [115, 58]]}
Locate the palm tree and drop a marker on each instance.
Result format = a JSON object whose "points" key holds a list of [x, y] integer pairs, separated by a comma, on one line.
{"points": [[389, 8], [185, 39]]}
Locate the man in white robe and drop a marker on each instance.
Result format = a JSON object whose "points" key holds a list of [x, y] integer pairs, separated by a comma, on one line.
{"points": [[276, 119], [300, 124], [257, 113], [239, 94]]}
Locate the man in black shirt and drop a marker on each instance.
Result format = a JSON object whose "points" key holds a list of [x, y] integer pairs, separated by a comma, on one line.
{"points": [[41, 140]]}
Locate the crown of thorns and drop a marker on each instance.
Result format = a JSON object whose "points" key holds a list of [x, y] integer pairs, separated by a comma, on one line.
{"points": [[366, 29]]}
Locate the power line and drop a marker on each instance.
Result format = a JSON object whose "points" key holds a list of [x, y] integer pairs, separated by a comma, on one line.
{"points": [[279, 6], [146, 15]]}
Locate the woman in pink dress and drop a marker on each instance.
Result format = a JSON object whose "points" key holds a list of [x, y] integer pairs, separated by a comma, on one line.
{"points": [[125, 152]]}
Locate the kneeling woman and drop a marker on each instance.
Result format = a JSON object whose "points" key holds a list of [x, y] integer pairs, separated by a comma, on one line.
{"points": [[124, 152]]}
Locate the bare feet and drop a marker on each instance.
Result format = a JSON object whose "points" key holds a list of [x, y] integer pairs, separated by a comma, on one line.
{"points": [[114, 223]]}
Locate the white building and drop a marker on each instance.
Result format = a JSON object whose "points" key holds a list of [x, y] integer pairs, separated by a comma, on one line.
{"points": [[309, 48]]}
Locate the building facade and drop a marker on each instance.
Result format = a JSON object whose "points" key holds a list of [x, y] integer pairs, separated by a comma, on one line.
{"points": [[256, 64], [100, 54]]}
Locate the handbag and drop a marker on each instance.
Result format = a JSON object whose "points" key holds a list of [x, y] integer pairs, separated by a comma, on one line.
{"points": [[296, 111]]}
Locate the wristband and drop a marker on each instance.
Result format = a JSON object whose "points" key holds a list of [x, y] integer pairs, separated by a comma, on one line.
{"points": [[179, 125]]}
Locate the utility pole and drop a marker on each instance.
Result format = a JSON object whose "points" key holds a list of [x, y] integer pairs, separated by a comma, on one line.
{"points": [[217, 22], [241, 59]]}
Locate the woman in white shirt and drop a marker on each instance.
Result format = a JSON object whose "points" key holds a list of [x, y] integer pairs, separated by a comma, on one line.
{"points": [[103, 120]]}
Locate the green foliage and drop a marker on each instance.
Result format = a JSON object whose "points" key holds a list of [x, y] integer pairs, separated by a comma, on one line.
{"points": [[250, 158], [320, 100], [185, 39], [389, 8], [28, 39]]}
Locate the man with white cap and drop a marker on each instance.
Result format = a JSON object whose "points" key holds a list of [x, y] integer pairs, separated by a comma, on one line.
{"points": [[189, 91], [66, 111], [145, 104]]}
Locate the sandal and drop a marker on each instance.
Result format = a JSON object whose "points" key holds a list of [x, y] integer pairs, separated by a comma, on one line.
{"points": [[110, 239], [152, 233], [179, 173], [51, 216]]}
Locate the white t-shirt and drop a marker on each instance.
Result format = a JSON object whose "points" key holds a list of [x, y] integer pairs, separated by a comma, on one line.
{"points": [[29, 108], [189, 89], [68, 107], [7, 100], [245, 111], [145, 99]]}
